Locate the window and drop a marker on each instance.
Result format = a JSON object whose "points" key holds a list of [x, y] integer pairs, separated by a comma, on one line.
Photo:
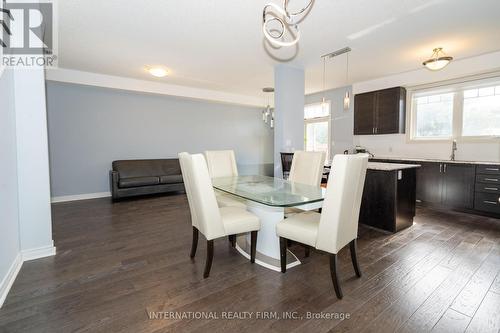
{"points": [[434, 116], [317, 127], [465, 111], [481, 115]]}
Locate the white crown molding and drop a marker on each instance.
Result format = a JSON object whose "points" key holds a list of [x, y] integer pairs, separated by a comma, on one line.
{"points": [[10, 277], [124, 83], [85, 196]]}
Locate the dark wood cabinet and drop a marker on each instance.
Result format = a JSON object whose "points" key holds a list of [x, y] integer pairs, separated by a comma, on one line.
{"points": [[380, 112], [458, 185], [446, 184], [364, 117], [487, 189], [388, 201], [429, 187]]}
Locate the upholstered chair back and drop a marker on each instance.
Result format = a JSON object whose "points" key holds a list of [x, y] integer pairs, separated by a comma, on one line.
{"points": [[340, 213], [184, 160], [307, 167], [221, 163], [201, 196]]}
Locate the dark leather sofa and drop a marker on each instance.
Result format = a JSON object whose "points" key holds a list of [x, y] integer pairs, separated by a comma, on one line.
{"points": [[140, 177]]}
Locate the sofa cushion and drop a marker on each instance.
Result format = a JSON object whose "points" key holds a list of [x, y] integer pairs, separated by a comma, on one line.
{"points": [[172, 179], [138, 181], [143, 168]]}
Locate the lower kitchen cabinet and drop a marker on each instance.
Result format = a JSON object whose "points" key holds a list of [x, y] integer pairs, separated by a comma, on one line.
{"points": [[446, 184], [429, 182], [458, 185], [487, 198]]}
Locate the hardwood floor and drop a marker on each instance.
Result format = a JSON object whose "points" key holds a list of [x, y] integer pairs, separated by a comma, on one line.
{"points": [[117, 263]]}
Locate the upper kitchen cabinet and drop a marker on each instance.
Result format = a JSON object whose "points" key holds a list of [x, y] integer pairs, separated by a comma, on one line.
{"points": [[380, 112]]}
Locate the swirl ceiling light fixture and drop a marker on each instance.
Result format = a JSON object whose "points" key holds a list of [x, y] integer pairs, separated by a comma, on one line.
{"points": [[286, 20]]}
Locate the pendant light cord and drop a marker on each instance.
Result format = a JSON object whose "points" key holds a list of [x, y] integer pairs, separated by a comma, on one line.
{"points": [[347, 69], [324, 78]]}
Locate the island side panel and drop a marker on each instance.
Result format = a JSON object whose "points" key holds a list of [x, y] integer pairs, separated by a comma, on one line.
{"points": [[378, 206], [406, 198]]}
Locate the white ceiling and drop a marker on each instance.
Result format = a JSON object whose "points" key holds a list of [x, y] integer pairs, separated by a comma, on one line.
{"points": [[218, 44]]}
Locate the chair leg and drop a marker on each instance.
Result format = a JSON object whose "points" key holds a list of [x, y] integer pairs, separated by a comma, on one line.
{"points": [[283, 243], [194, 245], [210, 257], [307, 251], [354, 257], [232, 240], [335, 277], [253, 245]]}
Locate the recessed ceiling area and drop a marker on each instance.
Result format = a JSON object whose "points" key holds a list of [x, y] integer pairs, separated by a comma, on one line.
{"points": [[219, 44]]}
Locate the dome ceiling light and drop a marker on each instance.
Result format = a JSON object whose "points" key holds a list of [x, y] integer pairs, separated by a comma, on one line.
{"points": [[157, 71], [438, 60], [287, 23]]}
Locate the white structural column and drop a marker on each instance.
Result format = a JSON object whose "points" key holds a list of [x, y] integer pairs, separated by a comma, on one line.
{"points": [[289, 112], [35, 221]]}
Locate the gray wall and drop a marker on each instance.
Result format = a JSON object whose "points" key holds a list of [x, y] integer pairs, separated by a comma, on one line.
{"points": [[89, 127], [342, 123], [289, 112], [9, 218]]}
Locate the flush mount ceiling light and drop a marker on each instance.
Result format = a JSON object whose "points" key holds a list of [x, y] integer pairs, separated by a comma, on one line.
{"points": [[438, 60], [157, 71], [286, 21]]}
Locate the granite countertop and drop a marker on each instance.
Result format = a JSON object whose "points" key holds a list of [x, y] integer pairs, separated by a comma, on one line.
{"points": [[390, 166], [432, 160]]}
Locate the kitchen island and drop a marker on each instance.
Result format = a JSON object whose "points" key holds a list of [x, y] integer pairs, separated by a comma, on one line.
{"points": [[389, 196]]}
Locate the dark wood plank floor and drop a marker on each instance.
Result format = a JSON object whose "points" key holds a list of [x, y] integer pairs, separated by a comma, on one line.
{"points": [[118, 263]]}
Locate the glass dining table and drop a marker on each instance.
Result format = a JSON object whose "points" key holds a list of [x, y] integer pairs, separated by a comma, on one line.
{"points": [[267, 197]]}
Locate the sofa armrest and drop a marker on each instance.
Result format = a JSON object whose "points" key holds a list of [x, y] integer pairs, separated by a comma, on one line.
{"points": [[114, 178]]}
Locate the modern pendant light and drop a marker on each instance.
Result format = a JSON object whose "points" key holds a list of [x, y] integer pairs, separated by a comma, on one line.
{"points": [[268, 112], [438, 60], [286, 21], [347, 98]]}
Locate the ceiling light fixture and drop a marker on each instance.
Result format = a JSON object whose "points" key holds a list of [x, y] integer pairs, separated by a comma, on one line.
{"points": [[157, 71], [268, 112], [347, 98], [438, 60], [286, 21]]}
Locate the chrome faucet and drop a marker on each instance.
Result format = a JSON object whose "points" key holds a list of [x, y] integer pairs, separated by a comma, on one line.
{"points": [[453, 150]]}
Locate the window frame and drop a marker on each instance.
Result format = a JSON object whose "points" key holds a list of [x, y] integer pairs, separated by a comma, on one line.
{"points": [[327, 118], [457, 88]]}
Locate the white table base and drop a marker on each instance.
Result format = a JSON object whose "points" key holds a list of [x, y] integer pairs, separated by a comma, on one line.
{"points": [[268, 244]]}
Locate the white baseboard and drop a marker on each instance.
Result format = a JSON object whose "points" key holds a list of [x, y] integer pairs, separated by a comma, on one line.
{"points": [[75, 197], [10, 277], [21, 257], [40, 252]]}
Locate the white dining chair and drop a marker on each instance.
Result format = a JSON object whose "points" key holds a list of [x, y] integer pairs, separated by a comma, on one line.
{"points": [[206, 217], [337, 225], [307, 168], [222, 163]]}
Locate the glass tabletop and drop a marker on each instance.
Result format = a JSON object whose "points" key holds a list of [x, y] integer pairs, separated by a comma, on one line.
{"points": [[270, 191]]}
